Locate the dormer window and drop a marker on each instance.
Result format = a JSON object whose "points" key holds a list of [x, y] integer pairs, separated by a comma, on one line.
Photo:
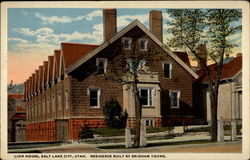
{"points": [[101, 64], [127, 43], [143, 44], [167, 67]]}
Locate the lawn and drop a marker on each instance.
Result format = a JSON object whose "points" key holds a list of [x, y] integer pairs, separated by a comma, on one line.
{"points": [[207, 129], [107, 132]]}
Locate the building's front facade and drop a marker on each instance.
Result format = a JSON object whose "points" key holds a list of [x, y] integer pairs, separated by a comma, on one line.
{"points": [[70, 90], [229, 94]]}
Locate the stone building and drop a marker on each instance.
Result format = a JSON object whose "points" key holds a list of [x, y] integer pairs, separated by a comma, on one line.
{"points": [[70, 89]]}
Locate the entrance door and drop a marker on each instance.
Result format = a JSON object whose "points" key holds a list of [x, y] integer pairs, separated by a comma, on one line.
{"points": [[62, 130]]}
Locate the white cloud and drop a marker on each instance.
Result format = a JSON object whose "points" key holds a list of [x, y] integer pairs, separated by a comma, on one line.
{"points": [[96, 13], [66, 19], [18, 40], [124, 20], [25, 13], [53, 19], [25, 31]]}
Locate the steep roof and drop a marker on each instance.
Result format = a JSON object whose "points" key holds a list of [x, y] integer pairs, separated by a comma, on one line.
{"points": [[57, 54], [120, 34], [51, 67], [40, 76], [72, 52], [45, 66], [183, 56], [229, 70]]}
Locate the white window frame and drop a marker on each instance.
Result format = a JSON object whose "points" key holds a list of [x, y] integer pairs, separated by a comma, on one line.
{"points": [[66, 99], [105, 60], [142, 63], [146, 44], [98, 96], [178, 98], [59, 101], [151, 122], [170, 69], [150, 94], [129, 42]]}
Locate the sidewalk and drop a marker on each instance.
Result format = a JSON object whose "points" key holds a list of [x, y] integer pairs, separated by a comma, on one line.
{"points": [[186, 143]]}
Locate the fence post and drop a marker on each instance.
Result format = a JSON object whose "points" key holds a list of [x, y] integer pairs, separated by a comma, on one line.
{"points": [[233, 130], [128, 137], [143, 137], [220, 135]]}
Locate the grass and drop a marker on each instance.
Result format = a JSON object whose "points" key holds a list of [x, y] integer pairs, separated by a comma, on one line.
{"points": [[207, 129], [107, 132], [159, 144]]}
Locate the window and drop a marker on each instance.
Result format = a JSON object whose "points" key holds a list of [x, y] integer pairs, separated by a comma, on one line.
{"points": [[94, 97], [66, 99], [167, 69], [43, 107], [59, 102], [127, 43], [134, 65], [143, 44], [174, 99], [145, 96], [53, 104], [149, 122], [48, 105], [101, 64]]}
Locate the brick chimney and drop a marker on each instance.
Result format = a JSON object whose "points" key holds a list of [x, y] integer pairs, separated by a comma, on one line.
{"points": [[202, 52], [155, 23], [109, 23]]}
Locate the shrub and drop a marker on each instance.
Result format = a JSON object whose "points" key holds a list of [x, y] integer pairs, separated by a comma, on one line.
{"points": [[85, 132], [115, 117]]}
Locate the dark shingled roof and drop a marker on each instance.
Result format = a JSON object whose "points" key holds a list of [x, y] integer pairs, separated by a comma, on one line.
{"points": [[228, 71]]}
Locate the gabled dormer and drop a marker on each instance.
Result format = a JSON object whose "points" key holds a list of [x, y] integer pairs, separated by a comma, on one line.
{"points": [[50, 80], [45, 74], [36, 81], [40, 88], [57, 55]]}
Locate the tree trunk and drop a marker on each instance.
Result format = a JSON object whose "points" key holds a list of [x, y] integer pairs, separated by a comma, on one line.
{"points": [[214, 110], [138, 113]]}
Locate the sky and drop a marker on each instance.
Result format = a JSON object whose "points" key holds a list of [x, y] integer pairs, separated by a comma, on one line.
{"points": [[34, 33]]}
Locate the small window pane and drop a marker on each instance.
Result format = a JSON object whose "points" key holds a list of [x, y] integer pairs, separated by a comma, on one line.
{"points": [[126, 43], [143, 44], [144, 93], [93, 102], [93, 98], [174, 99], [101, 67], [166, 70], [93, 94]]}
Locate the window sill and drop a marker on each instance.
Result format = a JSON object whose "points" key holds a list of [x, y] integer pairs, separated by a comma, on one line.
{"points": [[95, 107], [148, 107], [175, 107]]}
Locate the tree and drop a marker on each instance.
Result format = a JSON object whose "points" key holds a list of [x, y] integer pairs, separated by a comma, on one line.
{"points": [[115, 117], [11, 86], [191, 28], [126, 67]]}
